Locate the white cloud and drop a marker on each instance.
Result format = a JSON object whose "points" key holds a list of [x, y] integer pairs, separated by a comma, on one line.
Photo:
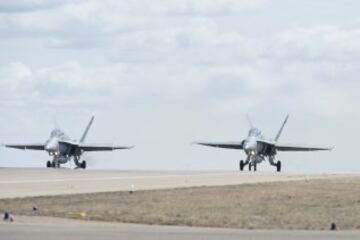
{"points": [[179, 70], [319, 43], [69, 23], [29, 5], [14, 77]]}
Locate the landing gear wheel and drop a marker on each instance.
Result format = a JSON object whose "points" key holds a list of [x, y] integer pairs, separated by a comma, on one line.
{"points": [[83, 164], [241, 165], [49, 164], [249, 167], [278, 166]]}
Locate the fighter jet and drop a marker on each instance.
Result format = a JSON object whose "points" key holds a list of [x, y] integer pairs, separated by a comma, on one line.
{"points": [[257, 148], [63, 149]]}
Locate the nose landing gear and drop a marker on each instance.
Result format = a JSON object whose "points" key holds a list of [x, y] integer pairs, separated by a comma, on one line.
{"points": [[49, 164], [252, 165]]}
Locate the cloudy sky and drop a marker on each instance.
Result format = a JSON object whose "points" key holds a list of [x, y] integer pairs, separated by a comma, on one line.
{"points": [[160, 74]]}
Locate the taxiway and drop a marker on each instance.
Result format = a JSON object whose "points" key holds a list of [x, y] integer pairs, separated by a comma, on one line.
{"points": [[34, 228]]}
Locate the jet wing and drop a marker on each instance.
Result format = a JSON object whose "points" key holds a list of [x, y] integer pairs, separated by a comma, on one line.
{"points": [[95, 147], [40, 146], [101, 147], [298, 148], [229, 145], [293, 147]]}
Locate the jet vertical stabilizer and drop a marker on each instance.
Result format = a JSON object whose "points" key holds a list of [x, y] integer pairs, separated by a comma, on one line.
{"points": [[281, 129], [82, 139]]}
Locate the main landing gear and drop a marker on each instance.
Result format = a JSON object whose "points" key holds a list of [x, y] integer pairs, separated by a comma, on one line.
{"points": [[241, 165], [83, 164], [78, 163], [278, 166]]}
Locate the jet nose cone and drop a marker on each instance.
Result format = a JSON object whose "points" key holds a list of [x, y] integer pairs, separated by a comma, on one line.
{"points": [[250, 147], [51, 146]]}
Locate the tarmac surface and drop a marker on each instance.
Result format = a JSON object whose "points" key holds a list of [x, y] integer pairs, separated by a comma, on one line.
{"points": [[25, 182], [35, 228]]}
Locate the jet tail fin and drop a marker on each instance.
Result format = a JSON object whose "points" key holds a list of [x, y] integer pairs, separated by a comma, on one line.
{"points": [[82, 139], [281, 129], [249, 121]]}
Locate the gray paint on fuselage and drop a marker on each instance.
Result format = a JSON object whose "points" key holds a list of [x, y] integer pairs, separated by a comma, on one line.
{"points": [[251, 145], [54, 146], [63, 149], [257, 148]]}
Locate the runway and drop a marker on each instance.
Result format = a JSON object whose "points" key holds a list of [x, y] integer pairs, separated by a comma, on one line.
{"points": [[34, 228], [25, 182]]}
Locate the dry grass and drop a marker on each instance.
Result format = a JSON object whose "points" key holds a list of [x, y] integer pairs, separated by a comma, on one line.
{"points": [[287, 205]]}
